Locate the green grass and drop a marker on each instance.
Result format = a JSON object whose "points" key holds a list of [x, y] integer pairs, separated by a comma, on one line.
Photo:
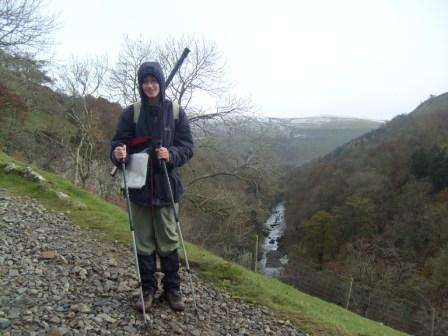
{"points": [[37, 119], [310, 314]]}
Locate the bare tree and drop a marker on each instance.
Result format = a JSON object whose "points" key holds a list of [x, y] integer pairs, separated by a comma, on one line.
{"points": [[203, 70], [123, 83], [82, 80], [24, 26], [203, 73]]}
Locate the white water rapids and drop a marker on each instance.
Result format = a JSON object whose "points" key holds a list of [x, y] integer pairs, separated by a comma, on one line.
{"points": [[272, 262]]}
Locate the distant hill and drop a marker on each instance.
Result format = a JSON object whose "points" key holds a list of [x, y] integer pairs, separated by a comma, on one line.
{"points": [[311, 137], [295, 141], [322, 122], [375, 210]]}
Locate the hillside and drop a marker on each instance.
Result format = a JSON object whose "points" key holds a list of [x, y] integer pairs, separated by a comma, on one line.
{"points": [[73, 274], [313, 137], [293, 141], [375, 211]]}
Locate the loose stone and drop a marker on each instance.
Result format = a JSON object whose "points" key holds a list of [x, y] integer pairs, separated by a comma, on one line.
{"points": [[66, 281], [4, 323]]}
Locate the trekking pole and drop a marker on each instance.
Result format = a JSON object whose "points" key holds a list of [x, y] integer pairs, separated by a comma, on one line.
{"points": [[131, 226], [187, 265]]}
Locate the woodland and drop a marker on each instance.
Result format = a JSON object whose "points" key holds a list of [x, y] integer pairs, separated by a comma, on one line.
{"points": [[375, 213]]}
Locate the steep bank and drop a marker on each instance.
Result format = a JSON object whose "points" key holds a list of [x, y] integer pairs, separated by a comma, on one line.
{"points": [[370, 207]]}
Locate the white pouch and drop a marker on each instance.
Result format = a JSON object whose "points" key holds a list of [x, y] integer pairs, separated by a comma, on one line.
{"points": [[136, 170]]}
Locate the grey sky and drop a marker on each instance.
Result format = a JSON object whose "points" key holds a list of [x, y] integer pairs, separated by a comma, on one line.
{"points": [[363, 58]]}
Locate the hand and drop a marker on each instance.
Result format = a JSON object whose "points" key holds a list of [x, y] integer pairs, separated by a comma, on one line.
{"points": [[120, 152], [163, 153]]}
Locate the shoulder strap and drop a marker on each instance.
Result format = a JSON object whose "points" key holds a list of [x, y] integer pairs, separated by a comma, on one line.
{"points": [[137, 106], [176, 109]]}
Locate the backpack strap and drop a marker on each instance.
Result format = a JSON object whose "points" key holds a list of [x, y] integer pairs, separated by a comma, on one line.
{"points": [[176, 109], [138, 105]]}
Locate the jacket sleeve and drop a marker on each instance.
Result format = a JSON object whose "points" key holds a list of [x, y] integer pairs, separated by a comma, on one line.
{"points": [[124, 132], [182, 149]]}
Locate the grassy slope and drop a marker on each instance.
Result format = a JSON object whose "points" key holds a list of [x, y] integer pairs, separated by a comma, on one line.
{"points": [[313, 315]]}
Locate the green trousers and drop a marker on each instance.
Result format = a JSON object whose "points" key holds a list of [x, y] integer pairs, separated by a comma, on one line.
{"points": [[155, 230]]}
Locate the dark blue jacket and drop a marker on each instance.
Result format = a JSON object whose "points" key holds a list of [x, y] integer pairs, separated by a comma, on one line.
{"points": [[155, 127]]}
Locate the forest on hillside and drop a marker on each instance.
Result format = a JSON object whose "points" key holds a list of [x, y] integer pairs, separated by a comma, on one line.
{"points": [[375, 212]]}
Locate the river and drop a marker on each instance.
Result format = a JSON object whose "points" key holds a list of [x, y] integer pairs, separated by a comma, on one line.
{"points": [[273, 261]]}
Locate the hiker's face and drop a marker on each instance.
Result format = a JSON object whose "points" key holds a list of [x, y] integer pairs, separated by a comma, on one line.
{"points": [[151, 87]]}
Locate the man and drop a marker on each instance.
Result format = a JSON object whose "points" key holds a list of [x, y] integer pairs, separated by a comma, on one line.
{"points": [[165, 136]]}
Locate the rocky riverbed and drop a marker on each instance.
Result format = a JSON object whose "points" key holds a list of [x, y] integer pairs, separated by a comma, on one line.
{"points": [[273, 260], [56, 279]]}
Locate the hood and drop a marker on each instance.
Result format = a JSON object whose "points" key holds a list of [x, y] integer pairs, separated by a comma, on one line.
{"points": [[153, 69]]}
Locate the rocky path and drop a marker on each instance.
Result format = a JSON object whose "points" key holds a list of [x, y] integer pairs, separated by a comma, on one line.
{"points": [[56, 279]]}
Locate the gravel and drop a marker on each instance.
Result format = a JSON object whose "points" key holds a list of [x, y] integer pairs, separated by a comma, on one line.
{"points": [[56, 279]]}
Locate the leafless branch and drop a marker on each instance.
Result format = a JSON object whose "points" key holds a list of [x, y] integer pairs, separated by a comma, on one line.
{"points": [[24, 26], [123, 81], [81, 80]]}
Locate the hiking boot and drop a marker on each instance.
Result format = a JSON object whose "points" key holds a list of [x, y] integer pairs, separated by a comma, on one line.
{"points": [[147, 300], [175, 300]]}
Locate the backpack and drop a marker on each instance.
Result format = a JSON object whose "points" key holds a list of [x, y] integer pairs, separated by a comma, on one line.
{"points": [[138, 105]]}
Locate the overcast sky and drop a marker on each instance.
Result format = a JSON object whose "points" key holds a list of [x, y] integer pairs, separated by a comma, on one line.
{"points": [[371, 59]]}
